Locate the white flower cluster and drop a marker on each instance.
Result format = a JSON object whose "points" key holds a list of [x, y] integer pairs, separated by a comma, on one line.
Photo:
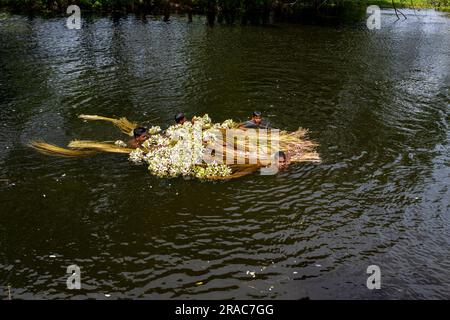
{"points": [[155, 140], [137, 155], [120, 143], [212, 170], [154, 130], [205, 121], [211, 135], [227, 124], [179, 150]]}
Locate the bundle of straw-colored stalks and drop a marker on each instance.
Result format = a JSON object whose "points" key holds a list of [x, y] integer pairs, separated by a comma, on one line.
{"points": [[78, 148], [123, 124], [244, 151], [98, 146], [52, 150]]}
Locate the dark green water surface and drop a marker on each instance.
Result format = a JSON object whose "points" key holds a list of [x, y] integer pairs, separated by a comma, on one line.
{"points": [[377, 102]]}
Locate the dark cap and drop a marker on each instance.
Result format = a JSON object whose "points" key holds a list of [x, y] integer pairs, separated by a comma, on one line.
{"points": [[179, 117], [257, 114], [139, 131]]}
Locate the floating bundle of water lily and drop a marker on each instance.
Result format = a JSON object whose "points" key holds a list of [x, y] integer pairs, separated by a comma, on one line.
{"points": [[180, 150]]}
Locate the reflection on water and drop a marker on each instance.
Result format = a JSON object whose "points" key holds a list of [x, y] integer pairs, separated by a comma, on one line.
{"points": [[376, 101]]}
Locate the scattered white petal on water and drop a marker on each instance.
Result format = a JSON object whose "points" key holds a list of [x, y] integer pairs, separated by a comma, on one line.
{"points": [[52, 256], [295, 272], [44, 195], [318, 265], [107, 295]]}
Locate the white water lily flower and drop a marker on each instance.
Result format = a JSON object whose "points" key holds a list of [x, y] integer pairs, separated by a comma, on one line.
{"points": [[154, 130], [211, 135], [137, 155], [228, 124], [120, 143]]}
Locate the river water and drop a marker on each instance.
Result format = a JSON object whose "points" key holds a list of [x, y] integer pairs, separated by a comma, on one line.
{"points": [[376, 101]]}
